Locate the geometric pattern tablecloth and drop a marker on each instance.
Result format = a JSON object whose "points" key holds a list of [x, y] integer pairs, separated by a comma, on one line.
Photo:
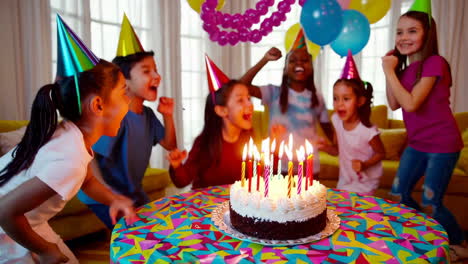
{"points": [[178, 229]]}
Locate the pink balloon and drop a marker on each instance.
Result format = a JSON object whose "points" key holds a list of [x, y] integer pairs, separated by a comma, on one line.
{"points": [[255, 36], [227, 21], [244, 35], [344, 4], [223, 38], [233, 38]]}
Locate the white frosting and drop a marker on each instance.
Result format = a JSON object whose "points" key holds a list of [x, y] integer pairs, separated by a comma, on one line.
{"points": [[277, 206]]}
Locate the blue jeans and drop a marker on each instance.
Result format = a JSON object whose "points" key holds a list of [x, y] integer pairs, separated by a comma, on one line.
{"points": [[438, 169]]}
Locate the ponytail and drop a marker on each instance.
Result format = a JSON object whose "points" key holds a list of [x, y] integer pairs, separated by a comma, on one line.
{"points": [[39, 130], [364, 111]]}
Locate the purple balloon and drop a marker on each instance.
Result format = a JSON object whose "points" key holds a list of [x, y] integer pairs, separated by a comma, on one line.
{"points": [[236, 20], [290, 2], [222, 38], [255, 36], [214, 35], [208, 18], [233, 38], [211, 4], [218, 17], [253, 16], [275, 19], [284, 7], [269, 2], [227, 21], [262, 8], [301, 2], [209, 27], [244, 34]]}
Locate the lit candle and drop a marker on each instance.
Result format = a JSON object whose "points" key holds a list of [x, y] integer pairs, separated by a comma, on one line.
{"points": [[272, 150], [244, 155], [280, 156], [300, 158], [258, 172], [249, 168], [266, 163], [310, 164], [290, 168]]}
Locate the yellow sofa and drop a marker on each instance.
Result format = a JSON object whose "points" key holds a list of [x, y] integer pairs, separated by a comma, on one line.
{"points": [[76, 219], [393, 136]]}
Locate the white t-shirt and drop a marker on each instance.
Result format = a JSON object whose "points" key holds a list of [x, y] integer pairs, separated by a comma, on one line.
{"points": [[354, 145], [61, 164]]}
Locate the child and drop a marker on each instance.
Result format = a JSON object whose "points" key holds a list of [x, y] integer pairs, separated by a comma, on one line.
{"points": [[296, 106], [49, 165], [422, 90], [216, 155], [123, 159], [359, 146]]}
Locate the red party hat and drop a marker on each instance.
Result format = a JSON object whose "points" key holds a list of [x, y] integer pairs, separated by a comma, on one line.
{"points": [[350, 70], [299, 42], [216, 78]]}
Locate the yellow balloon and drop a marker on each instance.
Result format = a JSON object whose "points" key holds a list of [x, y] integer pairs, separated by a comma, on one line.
{"points": [[290, 37], [374, 10], [196, 4]]}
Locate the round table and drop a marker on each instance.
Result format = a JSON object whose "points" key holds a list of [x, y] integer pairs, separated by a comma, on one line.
{"points": [[178, 229]]}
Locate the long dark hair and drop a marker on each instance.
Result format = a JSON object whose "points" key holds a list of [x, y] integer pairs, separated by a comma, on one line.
{"points": [[430, 44], [126, 63], [211, 135], [60, 96], [361, 89], [310, 85]]}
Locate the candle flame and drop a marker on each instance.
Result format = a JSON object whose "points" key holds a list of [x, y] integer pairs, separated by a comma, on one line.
{"points": [[266, 146], [290, 143], [250, 148], [256, 153], [244, 152], [273, 145], [281, 150], [309, 147], [300, 154], [288, 152]]}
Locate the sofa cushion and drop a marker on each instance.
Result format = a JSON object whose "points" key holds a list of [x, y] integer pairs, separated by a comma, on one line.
{"points": [[379, 116], [394, 140], [10, 139], [462, 163]]}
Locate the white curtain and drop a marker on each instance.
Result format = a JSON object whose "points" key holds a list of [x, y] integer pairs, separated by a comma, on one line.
{"points": [[165, 39], [26, 55], [452, 25]]}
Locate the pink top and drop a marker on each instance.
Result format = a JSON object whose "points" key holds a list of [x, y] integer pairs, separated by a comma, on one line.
{"points": [[432, 128]]}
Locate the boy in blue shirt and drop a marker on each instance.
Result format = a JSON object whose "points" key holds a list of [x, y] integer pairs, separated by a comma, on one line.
{"points": [[122, 160]]}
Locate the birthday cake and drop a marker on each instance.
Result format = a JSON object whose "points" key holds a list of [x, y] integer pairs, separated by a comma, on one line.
{"points": [[284, 213]]}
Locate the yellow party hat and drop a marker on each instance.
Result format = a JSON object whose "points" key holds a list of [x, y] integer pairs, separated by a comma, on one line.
{"points": [[128, 41]]}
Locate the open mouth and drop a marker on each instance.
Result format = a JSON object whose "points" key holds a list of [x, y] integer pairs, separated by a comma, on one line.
{"points": [[341, 112], [298, 69], [154, 88], [247, 117]]}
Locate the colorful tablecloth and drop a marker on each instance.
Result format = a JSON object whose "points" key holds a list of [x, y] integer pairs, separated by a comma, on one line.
{"points": [[178, 229]]}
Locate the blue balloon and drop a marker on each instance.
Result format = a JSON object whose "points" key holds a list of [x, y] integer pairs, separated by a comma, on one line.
{"points": [[321, 20], [354, 34]]}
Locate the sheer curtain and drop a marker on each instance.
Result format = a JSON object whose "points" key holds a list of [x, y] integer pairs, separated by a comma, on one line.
{"points": [[25, 53]]}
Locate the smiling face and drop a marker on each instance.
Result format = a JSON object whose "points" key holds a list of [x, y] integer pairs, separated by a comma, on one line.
{"points": [[115, 107], [345, 102], [299, 65], [144, 79], [409, 36], [238, 109]]}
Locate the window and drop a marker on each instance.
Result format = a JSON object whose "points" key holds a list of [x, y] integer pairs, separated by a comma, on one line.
{"points": [[194, 85]]}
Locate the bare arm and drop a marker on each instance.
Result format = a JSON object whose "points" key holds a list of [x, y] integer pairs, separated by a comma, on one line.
{"points": [[103, 194], [332, 148], [379, 152], [15, 205], [392, 102], [410, 102], [271, 55], [328, 129]]}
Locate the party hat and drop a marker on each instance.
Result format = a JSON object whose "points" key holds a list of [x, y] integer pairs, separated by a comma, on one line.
{"points": [[128, 41], [350, 70], [299, 42], [422, 6], [216, 78], [73, 56]]}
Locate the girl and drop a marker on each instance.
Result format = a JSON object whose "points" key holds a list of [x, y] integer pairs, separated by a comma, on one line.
{"points": [[422, 90], [296, 105], [216, 155], [49, 165], [359, 148]]}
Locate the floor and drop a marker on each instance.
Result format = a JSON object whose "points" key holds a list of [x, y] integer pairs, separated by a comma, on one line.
{"points": [[94, 248]]}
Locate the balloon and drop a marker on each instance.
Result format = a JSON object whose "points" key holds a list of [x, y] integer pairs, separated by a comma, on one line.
{"points": [[374, 10], [344, 4], [321, 20], [196, 4], [290, 36], [354, 35]]}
